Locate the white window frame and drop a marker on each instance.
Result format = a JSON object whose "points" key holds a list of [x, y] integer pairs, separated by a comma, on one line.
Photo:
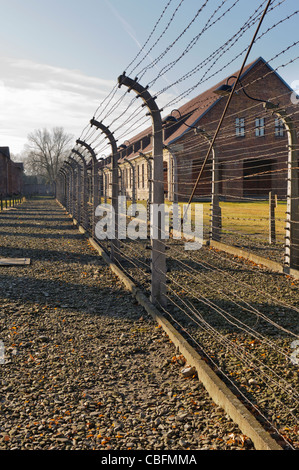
{"points": [[260, 127], [240, 127], [279, 127]]}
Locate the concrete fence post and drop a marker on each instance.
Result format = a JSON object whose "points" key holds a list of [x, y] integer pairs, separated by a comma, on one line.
{"points": [[158, 264], [63, 191], [292, 213], [272, 205], [83, 199], [77, 188], [216, 217], [109, 135], [68, 168], [133, 179], [95, 183], [150, 180]]}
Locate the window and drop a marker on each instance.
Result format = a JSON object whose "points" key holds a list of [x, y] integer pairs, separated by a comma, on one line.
{"points": [[137, 146], [138, 176], [240, 127], [260, 127], [129, 150], [279, 128], [142, 168], [146, 141]]}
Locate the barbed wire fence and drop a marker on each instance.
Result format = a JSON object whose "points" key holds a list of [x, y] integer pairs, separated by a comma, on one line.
{"points": [[241, 317]]}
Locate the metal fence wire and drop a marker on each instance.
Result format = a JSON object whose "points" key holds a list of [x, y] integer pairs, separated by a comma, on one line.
{"points": [[235, 299]]}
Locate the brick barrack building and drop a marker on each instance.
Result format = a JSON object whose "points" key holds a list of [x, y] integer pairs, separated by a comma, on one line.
{"points": [[11, 174], [251, 147]]}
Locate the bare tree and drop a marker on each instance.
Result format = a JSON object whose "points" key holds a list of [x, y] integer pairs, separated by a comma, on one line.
{"points": [[45, 152]]}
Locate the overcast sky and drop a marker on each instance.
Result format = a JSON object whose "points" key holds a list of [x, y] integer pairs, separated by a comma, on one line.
{"points": [[59, 59]]}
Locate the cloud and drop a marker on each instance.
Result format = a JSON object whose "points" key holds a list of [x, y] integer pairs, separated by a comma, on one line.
{"points": [[34, 95]]}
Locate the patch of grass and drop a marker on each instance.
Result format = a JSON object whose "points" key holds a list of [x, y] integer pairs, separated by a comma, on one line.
{"points": [[245, 218], [252, 218], [249, 218]]}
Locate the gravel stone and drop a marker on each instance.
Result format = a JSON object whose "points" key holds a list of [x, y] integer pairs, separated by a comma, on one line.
{"points": [[86, 367], [242, 318]]}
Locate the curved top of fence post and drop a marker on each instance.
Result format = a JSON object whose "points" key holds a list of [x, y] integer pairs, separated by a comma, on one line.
{"points": [[62, 170], [80, 156], [89, 148], [148, 99], [107, 132], [66, 167], [146, 157], [61, 173], [74, 161], [71, 165]]}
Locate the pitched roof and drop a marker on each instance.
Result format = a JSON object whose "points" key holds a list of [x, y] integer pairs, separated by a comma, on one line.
{"points": [[198, 106], [192, 111], [5, 151]]}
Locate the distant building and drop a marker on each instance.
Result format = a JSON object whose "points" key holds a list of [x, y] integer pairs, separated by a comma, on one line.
{"points": [[11, 174], [251, 146]]}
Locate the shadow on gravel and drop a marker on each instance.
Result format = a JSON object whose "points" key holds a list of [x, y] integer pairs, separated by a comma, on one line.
{"points": [[49, 255], [57, 294], [43, 235], [196, 267], [35, 225], [228, 317], [17, 218]]}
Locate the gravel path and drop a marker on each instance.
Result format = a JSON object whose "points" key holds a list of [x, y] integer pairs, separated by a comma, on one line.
{"points": [[85, 367]]}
